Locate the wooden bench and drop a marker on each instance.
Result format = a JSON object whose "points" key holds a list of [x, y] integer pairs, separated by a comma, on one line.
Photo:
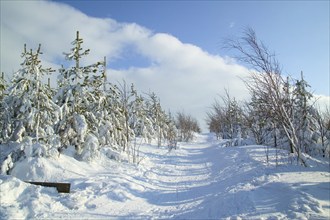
{"points": [[61, 187]]}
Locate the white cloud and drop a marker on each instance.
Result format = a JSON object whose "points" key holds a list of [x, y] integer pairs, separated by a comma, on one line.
{"points": [[183, 75], [54, 25]]}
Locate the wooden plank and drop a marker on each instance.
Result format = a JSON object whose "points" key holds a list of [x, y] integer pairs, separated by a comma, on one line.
{"points": [[61, 187]]}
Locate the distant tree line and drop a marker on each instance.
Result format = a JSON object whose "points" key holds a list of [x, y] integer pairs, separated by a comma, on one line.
{"points": [[281, 112], [187, 126], [85, 111]]}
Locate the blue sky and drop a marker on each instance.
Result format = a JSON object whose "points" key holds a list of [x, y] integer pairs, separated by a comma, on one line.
{"points": [[173, 48], [298, 31]]}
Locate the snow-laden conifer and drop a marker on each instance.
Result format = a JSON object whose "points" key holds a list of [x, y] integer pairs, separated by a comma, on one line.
{"points": [[172, 132], [140, 123], [78, 98], [158, 117], [303, 118], [3, 87], [111, 131], [30, 112]]}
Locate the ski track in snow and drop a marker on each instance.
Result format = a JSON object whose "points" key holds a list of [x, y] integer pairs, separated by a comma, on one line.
{"points": [[200, 180]]}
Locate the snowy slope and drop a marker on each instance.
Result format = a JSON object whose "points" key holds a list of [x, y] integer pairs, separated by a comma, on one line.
{"points": [[200, 180]]}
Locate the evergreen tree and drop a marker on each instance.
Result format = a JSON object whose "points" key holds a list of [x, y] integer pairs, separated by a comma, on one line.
{"points": [[77, 97], [172, 133], [3, 87], [29, 111], [126, 104], [304, 122], [85, 111], [116, 118], [261, 122], [157, 115], [141, 124]]}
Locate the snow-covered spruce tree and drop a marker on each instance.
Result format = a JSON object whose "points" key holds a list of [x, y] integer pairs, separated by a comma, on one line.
{"points": [[161, 125], [3, 87], [257, 121], [234, 122], [303, 119], [76, 96], [114, 119], [172, 132], [134, 121], [262, 126], [158, 117], [104, 122], [261, 123], [95, 109], [140, 123], [30, 112], [102, 112], [126, 103]]}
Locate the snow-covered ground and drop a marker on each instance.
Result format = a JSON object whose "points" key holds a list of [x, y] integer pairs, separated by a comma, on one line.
{"points": [[199, 180]]}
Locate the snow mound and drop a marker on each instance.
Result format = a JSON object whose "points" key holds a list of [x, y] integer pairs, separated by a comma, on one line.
{"points": [[47, 169], [21, 200]]}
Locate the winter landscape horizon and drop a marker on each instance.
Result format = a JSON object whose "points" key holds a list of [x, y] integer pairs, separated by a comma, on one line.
{"points": [[164, 110]]}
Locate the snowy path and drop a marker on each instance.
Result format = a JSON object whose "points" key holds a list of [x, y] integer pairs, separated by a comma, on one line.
{"points": [[200, 180], [207, 181]]}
